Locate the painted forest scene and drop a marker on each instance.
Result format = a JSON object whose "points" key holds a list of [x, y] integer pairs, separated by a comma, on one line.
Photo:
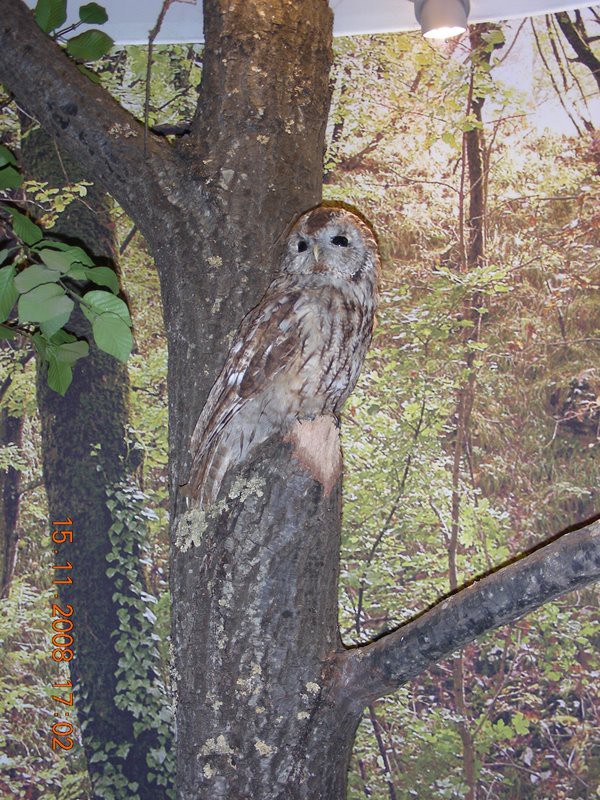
{"points": [[472, 436]]}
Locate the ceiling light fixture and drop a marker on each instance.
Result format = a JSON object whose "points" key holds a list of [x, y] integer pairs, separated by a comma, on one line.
{"points": [[441, 19]]}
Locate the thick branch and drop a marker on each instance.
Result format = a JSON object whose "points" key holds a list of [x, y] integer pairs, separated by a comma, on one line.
{"points": [[104, 138], [566, 563], [580, 44]]}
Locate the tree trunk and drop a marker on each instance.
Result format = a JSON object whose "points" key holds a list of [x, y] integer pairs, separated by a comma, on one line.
{"points": [[85, 460], [11, 432], [254, 582], [259, 628]]}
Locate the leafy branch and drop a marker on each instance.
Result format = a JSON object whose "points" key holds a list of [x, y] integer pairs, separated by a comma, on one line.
{"points": [[44, 278]]}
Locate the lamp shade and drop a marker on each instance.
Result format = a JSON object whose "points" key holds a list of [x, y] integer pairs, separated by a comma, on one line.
{"points": [[440, 19]]}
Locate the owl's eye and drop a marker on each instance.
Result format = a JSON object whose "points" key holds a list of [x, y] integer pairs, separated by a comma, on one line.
{"points": [[302, 246], [340, 241]]}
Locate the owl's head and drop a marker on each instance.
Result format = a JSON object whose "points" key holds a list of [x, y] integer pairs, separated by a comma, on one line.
{"points": [[332, 241]]}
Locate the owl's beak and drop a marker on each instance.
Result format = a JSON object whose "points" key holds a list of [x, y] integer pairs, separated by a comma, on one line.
{"points": [[316, 252]]}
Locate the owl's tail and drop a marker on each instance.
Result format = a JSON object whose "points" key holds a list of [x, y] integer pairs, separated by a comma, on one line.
{"points": [[221, 446], [207, 472]]}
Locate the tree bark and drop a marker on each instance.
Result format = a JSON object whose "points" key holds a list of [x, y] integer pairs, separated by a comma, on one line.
{"points": [[11, 432], [259, 627]]}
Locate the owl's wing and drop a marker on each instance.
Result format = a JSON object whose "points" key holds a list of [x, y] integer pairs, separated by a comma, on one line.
{"points": [[265, 344]]}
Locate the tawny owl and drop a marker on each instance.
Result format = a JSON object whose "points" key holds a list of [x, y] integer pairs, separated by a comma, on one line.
{"points": [[296, 355]]}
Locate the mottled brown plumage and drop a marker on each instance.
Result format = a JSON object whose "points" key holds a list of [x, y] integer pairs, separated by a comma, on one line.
{"points": [[296, 355]]}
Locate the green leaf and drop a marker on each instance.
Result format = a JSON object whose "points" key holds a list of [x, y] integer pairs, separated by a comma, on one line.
{"points": [[10, 178], [520, 723], [93, 14], [56, 260], [6, 157], [51, 327], [7, 333], [8, 291], [33, 276], [113, 335], [64, 257], [43, 303], [423, 59], [71, 351], [449, 138], [40, 344], [78, 272], [104, 276], [62, 337], [100, 302], [4, 254], [60, 375], [23, 227], [502, 731], [89, 46], [494, 37], [89, 73], [50, 14]]}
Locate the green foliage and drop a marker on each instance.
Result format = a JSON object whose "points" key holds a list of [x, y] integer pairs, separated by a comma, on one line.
{"points": [[23, 227], [50, 14], [28, 765], [112, 335], [10, 177], [47, 289], [88, 46], [176, 72], [93, 14], [140, 688], [42, 303], [8, 291], [519, 326], [52, 201]]}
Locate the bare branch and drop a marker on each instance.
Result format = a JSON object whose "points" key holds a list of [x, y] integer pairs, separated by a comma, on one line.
{"points": [[568, 562], [151, 37], [84, 118], [551, 76]]}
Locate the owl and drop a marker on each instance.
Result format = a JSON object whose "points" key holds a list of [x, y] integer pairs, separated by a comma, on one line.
{"points": [[298, 354]]}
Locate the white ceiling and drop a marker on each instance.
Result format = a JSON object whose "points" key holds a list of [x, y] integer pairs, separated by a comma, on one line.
{"points": [[130, 20]]}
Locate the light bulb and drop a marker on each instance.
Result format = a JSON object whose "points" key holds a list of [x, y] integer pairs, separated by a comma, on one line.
{"points": [[442, 19]]}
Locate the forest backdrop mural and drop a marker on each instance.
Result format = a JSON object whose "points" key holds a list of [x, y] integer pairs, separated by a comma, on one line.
{"points": [[473, 434]]}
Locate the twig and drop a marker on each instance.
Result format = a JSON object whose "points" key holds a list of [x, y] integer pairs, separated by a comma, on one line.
{"points": [[151, 37], [127, 240]]}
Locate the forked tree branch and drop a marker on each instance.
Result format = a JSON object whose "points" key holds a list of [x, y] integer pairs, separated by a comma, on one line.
{"points": [[97, 132], [568, 562], [579, 41]]}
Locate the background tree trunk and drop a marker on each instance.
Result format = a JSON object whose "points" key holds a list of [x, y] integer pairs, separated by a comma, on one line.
{"points": [[85, 455], [11, 432]]}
